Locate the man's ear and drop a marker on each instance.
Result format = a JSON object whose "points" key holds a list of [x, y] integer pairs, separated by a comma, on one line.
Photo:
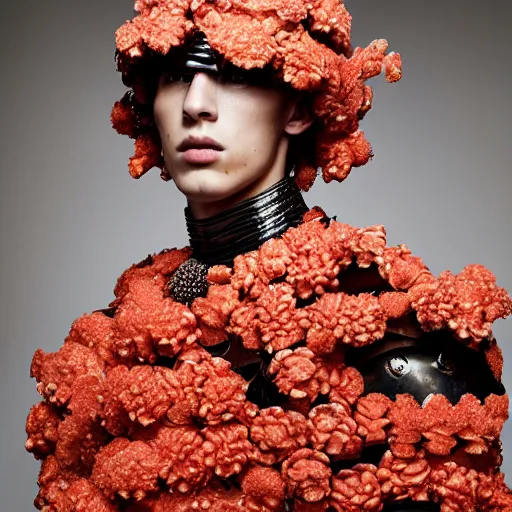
{"points": [[300, 117]]}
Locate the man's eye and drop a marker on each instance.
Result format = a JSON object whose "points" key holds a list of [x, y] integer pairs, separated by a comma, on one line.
{"points": [[179, 76], [228, 78], [235, 78]]}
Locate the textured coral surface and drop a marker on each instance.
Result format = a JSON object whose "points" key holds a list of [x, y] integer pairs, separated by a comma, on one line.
{"points": [[139, 414]]}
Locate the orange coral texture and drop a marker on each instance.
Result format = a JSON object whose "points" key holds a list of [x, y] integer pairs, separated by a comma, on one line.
{"points": [[306, 43], [134, 407]]}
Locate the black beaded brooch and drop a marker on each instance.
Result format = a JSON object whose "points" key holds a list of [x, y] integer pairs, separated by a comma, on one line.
{"points": [[189, 282]]}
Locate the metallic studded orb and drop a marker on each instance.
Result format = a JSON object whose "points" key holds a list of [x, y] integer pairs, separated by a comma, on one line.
{"points": [[398, 366], [445, 365]]}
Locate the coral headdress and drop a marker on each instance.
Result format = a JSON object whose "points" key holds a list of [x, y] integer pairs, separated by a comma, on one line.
{"points": [[306, 44]]}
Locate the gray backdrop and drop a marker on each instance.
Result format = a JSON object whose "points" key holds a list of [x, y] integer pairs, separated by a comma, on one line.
{"points": [[72, 219]]}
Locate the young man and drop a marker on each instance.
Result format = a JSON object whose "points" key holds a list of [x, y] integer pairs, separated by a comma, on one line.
{"points": [[285, 361]]}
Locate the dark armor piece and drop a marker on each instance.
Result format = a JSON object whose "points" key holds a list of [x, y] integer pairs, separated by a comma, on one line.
{"points": [[434, 363]]}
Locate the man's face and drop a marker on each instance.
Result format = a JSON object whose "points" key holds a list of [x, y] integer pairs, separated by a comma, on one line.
{"points": [[221, 132]]}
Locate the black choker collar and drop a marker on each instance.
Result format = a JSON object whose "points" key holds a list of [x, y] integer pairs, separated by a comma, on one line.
{"points": [[218, 239]]}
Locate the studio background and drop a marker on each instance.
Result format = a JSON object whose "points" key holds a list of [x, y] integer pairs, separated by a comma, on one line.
{"points": [[71, 218]]}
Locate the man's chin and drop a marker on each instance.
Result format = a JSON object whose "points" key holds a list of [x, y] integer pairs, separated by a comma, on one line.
{"points": [[206, 189], [216, 189]]}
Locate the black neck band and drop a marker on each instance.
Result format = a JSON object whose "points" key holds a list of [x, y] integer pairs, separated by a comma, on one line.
{"points": [[218, 239]]}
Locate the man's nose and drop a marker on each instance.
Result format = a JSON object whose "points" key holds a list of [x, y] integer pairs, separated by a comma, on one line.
{"points": [[201, 99]]}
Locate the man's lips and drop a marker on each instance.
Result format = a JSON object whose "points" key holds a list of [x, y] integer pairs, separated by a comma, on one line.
{"points": [[200, 150], [201, 156], [192, 142]]}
